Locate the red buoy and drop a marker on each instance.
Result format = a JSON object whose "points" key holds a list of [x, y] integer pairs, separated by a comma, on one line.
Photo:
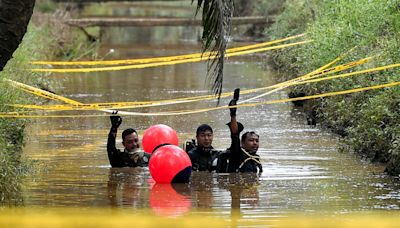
{"points": [[170, 164], [157, 135]]}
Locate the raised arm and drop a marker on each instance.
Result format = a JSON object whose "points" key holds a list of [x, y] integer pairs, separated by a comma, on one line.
{"points": [[111, 148], [235, 128], [233, 124]]}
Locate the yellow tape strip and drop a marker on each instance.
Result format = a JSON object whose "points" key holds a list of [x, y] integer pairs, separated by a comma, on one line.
{"points": [[186, 112], [96, 106], [147, 65], [161, 59], [207, 97], [330, 94], [354, 73], [45, 94], [99, 106], [41, 93], [174, 101], [316, 73], [126, 105]]}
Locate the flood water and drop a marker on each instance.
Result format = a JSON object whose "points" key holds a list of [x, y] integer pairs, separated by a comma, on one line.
{"points": [[303, 170]]}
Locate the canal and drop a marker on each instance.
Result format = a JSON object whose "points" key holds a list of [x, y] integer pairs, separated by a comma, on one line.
{"points": [[304, 172]]}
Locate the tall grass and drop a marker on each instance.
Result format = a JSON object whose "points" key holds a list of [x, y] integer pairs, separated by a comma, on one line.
{"points": [[369, 121], [13, 165]]}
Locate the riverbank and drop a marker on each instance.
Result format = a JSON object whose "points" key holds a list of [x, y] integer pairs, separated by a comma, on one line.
{"points": [[369, 121], [43, 40]]}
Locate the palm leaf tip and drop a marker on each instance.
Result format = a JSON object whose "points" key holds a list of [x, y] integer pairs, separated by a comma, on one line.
{"points": [[216, 21]]}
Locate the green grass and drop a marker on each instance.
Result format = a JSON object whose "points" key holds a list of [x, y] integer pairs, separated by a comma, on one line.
{"points": [[369, 121], [13, 165]]}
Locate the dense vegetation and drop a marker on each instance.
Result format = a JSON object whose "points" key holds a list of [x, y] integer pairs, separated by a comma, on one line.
{"points": [[12, 164], [368, 121]]}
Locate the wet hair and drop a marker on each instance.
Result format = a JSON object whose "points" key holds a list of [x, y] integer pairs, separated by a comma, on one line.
{"points": [[203, 128], [128, 132], [247, 134]]}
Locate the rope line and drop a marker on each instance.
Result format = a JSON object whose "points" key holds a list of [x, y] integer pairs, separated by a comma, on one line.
{"points": [[160, 59], [174, 62], [185, 112], [128, 105]]}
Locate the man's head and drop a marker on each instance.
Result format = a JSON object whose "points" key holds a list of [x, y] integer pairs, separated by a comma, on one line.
{"points": [[204, 136], [250, 141], [130, 139]]}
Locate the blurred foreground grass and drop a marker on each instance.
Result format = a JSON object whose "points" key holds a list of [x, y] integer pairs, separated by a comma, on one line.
{"points": [[80, 217]]}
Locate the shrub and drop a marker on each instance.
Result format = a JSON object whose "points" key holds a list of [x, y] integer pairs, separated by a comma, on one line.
{"points": [[368, 120]]}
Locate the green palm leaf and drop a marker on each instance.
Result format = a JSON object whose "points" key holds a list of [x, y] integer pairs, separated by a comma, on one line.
{"points": [[216, 20]]}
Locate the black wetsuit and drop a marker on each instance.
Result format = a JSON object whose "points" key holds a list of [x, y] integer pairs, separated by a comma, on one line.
{"points": [[239, 158], [203, 160], [121, 158]]}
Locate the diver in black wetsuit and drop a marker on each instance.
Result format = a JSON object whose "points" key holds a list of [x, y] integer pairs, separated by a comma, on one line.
{"points": [[130, 156], [243, 155], [203, 156]]}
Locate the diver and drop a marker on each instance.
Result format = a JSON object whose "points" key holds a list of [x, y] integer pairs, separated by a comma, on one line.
{"points": [[203, 156], [243, 155], [130, 156]]}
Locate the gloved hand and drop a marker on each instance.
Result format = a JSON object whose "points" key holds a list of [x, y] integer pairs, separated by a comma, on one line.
{"points": [[233, 102], [115, 121]]}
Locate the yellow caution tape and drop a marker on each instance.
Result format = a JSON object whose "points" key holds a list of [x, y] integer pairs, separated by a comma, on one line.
{"points": [[41, 93], [127, 105], [354, 73], [119, 105], [45, 94], [314, 74], [165, 102], [99, 106], [186, 112], [330, 94], [161, 59], [147, 65]]}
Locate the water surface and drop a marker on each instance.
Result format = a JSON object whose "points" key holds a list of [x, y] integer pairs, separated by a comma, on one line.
{"points": [[303, 170]]}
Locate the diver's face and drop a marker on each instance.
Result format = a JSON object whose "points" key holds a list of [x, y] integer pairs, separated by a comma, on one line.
{"points": [[131, 142], [251, 143], [204, 139]]}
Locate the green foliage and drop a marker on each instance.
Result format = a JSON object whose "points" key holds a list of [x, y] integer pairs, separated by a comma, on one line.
{"points": [[294, 18], [13, 166], [45, 6], [369, 120]]}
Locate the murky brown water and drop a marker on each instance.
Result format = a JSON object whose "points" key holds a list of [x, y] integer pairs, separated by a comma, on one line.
{"points": [[303, 170]]}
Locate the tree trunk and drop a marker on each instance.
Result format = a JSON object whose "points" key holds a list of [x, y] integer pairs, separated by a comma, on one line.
{"points": [[14, 19]]}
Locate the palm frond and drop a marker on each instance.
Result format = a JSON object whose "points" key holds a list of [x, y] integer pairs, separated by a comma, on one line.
{"points": [[216, 20]]}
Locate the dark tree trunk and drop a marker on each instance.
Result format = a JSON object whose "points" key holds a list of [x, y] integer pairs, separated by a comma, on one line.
{"points": [[14, 19]]}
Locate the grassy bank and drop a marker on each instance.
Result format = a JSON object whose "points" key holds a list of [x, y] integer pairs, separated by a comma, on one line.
{"points": [[369, 121], [13, 165], [46, 38]]}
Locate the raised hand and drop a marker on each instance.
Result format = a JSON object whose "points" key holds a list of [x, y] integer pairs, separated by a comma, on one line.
{"points": [[115, 121], [233, 102]]}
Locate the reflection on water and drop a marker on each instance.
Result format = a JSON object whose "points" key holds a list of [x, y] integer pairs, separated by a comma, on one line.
{"points": [[125, 186], [170, 200], [303, 171]]}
